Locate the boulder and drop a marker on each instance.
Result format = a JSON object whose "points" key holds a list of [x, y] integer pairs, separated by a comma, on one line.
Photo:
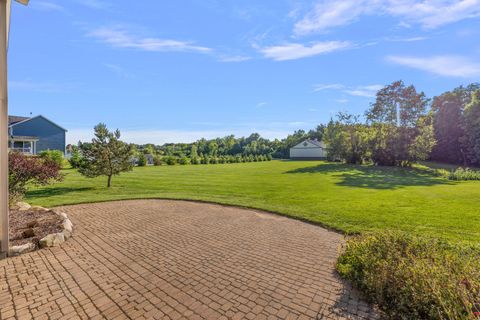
{"points": [[22, 206], [17, 250], [38, 208], [63, 215], [52, 240]]}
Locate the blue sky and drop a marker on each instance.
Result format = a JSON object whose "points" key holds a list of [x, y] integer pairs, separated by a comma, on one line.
{"points": [[176, 71]]}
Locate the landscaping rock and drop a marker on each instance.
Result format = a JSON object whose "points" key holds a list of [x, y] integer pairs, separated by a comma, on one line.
{"points": [[52, 240], [23, 206], [68, 228], [17, 250], [38, 208], [63, 215], [28, 233]]}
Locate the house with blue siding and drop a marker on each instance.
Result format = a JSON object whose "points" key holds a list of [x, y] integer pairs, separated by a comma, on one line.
{"points": [[32, 135]]}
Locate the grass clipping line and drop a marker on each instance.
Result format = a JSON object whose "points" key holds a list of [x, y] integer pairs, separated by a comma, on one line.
{"points": [[412, 277]]}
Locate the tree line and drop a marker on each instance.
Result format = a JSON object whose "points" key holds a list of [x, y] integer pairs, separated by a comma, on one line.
{"points": [[401, 127]]}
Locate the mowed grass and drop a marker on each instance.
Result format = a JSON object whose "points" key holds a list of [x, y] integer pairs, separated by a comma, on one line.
{"points": [[344, 197]]}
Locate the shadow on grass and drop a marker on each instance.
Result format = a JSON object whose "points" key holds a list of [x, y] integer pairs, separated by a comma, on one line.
{"points": [[372, 177], [49, 192]]}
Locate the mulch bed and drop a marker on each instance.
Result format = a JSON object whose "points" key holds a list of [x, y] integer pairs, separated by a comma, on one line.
{"points": [[42, 223]]}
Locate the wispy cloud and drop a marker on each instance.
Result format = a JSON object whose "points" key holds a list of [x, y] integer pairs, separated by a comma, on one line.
{"points": [[119, 71], [293, 51], [366, 91], [429, 14], [321, 87], [46, 6], [40, 86], [237, 58], [261, 104], [406, 39], [119, 37], [94, 4], [448, 66]]}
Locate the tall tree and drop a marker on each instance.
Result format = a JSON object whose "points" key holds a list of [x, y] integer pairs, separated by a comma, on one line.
{"points": [[399, 105], [106, 155], [449, 126], [393, 118], [472, 129]]}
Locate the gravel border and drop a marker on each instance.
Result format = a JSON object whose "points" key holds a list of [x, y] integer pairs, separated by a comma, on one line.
{"points": [[51, 240]]}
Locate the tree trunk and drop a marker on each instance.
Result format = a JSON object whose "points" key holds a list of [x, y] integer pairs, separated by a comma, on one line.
{"points": [[109, 184]]}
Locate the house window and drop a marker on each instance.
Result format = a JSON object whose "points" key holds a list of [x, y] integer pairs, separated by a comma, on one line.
{"points": [[23, 146]]}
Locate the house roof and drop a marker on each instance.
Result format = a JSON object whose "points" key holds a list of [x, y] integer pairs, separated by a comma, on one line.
{"points": [[301, 145], [23, 138], [18, 120], [316, 142]]}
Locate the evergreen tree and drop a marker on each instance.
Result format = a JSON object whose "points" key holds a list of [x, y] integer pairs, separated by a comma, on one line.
{"points": [[106, 155]]}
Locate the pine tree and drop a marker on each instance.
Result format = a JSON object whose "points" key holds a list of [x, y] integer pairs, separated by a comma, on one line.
{"points": [[106, 155]]}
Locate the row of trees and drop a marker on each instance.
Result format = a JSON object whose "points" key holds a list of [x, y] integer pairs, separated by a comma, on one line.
{"points": [[399, 128]]}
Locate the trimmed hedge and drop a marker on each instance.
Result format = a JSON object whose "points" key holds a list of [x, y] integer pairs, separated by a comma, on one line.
{"points": [[412, 277]]}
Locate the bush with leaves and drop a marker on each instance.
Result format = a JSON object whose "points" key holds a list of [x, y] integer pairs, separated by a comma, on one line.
{"points": [[412, 277], [142, 160], [157, 161], [53, 155], [75, 159], [25, 171]]}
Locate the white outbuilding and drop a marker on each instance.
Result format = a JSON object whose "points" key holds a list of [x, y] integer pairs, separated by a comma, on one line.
{"points": [[309, 150]]}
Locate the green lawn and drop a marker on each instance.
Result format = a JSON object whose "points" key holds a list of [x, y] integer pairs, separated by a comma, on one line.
{"points": [[344, 197]]}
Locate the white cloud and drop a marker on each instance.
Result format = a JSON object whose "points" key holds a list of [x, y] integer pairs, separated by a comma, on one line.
{"points": [[321, 87], [46, 6], [293, 51], [119, 71], [429, 14], [40, 86], [329, 14], [118, 37], [449, 66], [94, 4], [407, 39], [367, 91], [261, 104], [364, 91], [238, 58]]}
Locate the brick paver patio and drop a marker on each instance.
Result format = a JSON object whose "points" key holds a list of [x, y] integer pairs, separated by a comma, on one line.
{"points": [[156, 259]]}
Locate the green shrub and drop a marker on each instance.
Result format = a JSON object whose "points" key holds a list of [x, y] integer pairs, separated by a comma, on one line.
{"points": [[170, 160], [213, 160], [411, 277], [269, 157], [53, 155], [76, 159], [142, 160], [195, 160], [157, 161], [464, 174], [183, 161]]}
